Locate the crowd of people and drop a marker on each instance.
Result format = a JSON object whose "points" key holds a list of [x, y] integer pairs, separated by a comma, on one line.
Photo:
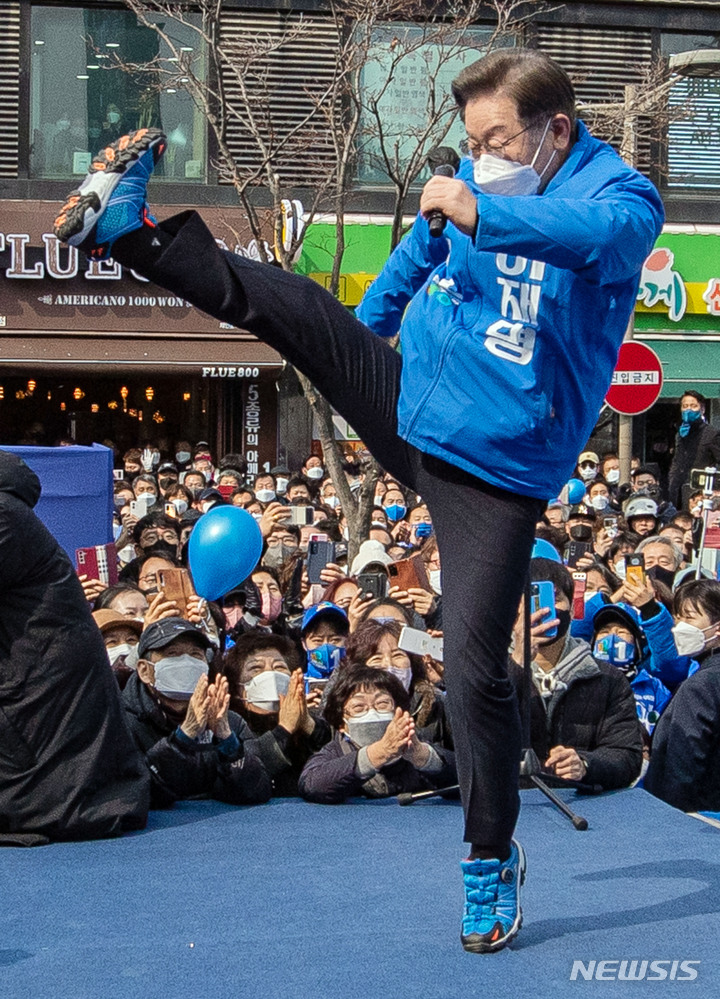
{"points": [[290, 687]]}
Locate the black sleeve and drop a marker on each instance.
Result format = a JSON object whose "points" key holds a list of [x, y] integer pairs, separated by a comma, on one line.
{"points": [[685, 746], [617, 758], [330, 776], [184, 769]]}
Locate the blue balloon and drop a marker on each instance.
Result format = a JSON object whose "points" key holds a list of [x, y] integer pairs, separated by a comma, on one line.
{"points": [[224, 548], [543, 549], [576, 490]]}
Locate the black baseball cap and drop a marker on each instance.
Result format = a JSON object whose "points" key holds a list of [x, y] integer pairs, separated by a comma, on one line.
{"points": [[161, 633]]}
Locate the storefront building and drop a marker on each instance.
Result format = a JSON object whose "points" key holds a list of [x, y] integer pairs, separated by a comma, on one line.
{"points": [[93, 353]]}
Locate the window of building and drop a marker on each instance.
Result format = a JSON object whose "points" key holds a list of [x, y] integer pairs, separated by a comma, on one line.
{"points": [[82, 99], [413, 97], [694, 139]]}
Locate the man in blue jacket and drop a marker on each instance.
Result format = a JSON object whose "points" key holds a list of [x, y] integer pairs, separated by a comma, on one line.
{"points": [[510, 325]]}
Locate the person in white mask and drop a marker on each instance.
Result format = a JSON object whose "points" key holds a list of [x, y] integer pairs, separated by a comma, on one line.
{"points": [[265, 488], [267, 688], [121, 635], [180, 719], [313, 468], [376, 643], [610, 470], [587, 466], [376, 751], [685, 763]]}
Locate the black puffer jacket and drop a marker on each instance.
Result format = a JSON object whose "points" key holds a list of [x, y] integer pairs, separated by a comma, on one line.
{"points": [[68, 767], [184, 769], [685, 762], [592, 711]]}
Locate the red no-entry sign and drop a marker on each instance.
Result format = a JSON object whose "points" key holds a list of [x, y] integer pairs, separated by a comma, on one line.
{"points": [[637, 379]]}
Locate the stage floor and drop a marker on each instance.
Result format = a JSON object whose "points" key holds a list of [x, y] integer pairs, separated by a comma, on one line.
{"points": [[361, 901]]}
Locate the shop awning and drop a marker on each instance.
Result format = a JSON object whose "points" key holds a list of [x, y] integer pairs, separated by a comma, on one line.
{"points": [[235, 355]]}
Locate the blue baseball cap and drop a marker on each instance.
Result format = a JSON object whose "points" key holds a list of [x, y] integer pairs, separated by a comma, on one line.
{"points": [[327, 608], [543, 549]]}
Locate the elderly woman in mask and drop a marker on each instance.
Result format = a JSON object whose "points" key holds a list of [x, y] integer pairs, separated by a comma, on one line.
{"points": [[267, 689], [376, 751], [375, 644]]}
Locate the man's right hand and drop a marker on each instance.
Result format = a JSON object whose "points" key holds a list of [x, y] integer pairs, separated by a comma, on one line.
{"points": [[159, 608], [196, 717], [275, 513]]}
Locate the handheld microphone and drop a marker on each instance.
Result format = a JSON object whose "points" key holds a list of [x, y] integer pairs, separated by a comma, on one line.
{"points": [[443, 161], [436, 219]]}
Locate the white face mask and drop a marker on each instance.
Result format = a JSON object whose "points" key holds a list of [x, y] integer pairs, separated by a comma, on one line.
{"points": [[265, 688], [127, 554], [177, 676], [600, 502], [315, 473], [403, 673], [180, 506], [369, 727], [265, 495], [119, 650], [612, 476], [332, 501], [690, 640], [281, 486], [619, 568], [588, 473], [435, 577], [256, 516], [494, 175]]}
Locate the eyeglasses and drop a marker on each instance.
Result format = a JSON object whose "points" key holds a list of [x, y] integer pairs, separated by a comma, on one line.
{"points": [[276, 541], [470, 147], [353, 709]]}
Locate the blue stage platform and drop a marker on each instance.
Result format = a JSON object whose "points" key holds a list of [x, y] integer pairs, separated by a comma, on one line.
{"points": [[362, 901]]}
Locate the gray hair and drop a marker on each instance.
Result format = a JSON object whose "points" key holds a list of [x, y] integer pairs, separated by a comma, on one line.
{"points": [[677, 553]]}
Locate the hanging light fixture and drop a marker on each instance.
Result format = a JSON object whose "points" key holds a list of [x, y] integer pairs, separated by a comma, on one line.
{"points": [[149, 393], [31, 386], [78, 394], [2, 392], [186, 397], [94, 408]]}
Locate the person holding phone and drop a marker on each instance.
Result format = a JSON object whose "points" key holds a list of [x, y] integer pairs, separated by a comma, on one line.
{"points": [[510, 327], [583, 724]]}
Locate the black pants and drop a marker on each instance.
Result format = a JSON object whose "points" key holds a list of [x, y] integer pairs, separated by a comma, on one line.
{"points": [[485, 534]]}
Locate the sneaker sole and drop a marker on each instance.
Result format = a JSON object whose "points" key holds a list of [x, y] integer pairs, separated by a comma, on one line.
{"points": [[84, 206], [474, 944]]}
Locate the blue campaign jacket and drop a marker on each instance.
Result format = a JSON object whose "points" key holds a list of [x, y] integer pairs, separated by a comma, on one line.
{"points": [[511, 337]]}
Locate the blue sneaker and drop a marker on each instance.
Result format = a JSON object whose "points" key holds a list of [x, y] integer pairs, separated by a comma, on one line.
{"points": [[110, 202], [492, 901]]}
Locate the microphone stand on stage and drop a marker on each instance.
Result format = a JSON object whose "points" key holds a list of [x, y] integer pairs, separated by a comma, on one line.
{"points": [[529, 764]]}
